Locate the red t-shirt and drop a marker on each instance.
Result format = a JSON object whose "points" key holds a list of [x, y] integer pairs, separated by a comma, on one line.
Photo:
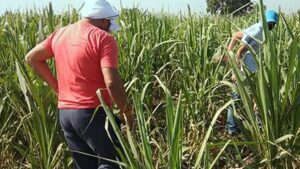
{"points": [[80, 51]]}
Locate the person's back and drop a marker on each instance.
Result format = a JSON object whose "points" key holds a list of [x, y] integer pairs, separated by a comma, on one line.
{"points": [[253, 38], [79, 59], [86, 58]]}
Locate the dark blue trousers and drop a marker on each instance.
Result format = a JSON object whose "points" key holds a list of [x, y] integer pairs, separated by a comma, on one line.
{"points": [[89, 137]]}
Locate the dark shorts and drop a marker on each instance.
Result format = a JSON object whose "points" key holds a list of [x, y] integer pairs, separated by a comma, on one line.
{"points": [[87, 134]]}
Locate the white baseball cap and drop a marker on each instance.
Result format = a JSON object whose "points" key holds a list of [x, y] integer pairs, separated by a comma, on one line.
{"points": [[98, 9]]}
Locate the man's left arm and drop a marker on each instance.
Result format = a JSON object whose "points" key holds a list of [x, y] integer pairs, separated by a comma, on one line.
{"points": [[36, 58]]}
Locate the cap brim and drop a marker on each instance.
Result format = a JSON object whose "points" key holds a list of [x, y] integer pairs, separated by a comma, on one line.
{"points": [[271, 20], [114, 25]]}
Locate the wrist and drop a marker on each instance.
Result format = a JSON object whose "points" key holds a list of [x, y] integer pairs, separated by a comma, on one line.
{"points": [[126, 110]]}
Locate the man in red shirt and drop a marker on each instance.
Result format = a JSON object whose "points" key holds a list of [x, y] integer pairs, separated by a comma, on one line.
{"points": [[86, 59]]}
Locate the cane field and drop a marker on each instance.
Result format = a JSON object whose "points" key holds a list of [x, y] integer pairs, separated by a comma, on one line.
{"points": [[178, 92]]}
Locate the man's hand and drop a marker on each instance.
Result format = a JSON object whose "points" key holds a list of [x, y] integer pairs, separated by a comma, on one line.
{"points": [[233, 77], [127, 115], [225, 59], [220, 58]]}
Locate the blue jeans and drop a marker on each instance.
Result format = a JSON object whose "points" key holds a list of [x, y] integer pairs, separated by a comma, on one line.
{"points": [[231, 124], [89, 137]]}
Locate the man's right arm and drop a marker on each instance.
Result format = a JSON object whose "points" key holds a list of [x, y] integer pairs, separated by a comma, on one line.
{"points": [[235, 38], [115, 86], [112, 79]]}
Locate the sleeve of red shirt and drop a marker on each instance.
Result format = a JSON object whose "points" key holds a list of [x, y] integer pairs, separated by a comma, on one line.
{"points": [[47, 43], [109, 53]]}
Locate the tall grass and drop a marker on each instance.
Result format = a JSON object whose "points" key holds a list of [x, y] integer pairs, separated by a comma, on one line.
{"points": [[179, 95]]}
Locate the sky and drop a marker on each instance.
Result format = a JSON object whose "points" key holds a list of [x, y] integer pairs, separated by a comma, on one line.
{"points": [[171, 6]]}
